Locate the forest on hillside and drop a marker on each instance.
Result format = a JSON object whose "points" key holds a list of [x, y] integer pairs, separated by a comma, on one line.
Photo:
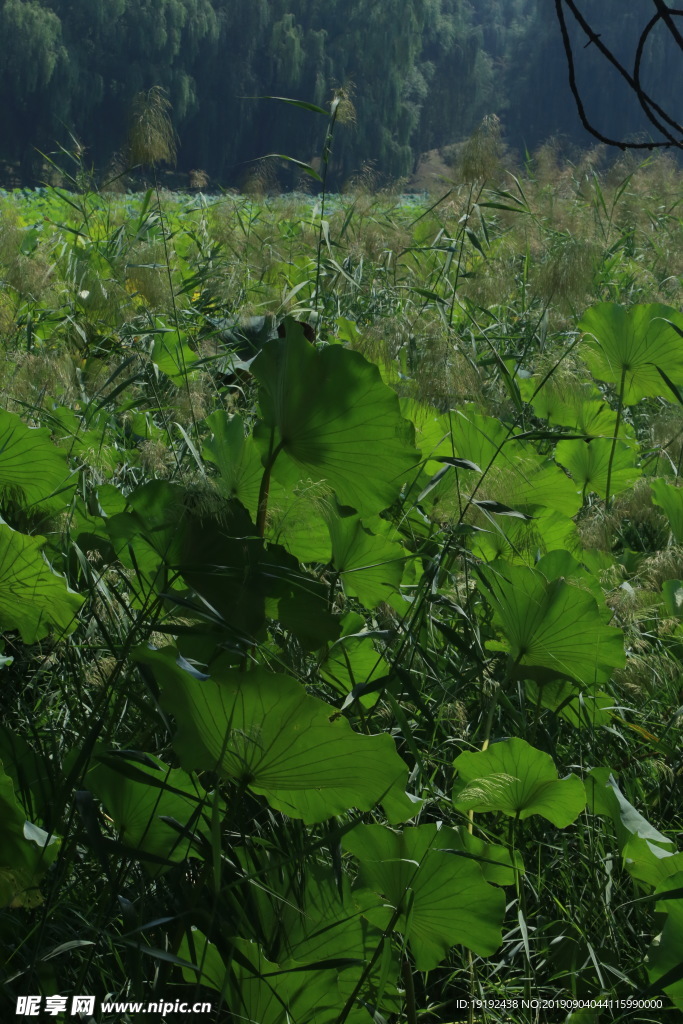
{"points": [[419, 75]]}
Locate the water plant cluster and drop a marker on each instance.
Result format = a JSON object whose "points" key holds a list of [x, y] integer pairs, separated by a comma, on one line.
{"points": [[341, 592]]}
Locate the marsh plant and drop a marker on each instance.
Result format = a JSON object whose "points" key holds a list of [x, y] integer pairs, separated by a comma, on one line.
{"points": [[341, 654]]}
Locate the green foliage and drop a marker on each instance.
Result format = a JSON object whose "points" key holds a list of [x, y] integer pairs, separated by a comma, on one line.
{"points": [[33, 598], [551, 624], [513, 777], [329, 414], [264, 731], [633, 348], [434, 898], [26, 852], [141, 797], [341, 643], [32, 470]]}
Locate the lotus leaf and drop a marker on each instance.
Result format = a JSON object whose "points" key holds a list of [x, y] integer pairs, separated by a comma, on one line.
{"points": [[443, 898], [33, 599], [331, 416], [634, 344], [513, 777], [264, 730], [552, 624]]}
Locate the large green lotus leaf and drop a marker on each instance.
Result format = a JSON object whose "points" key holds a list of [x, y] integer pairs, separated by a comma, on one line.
{"points": [[670, 499], [323, 923], [326, 923], [137, 796], [148, 533], [552, 624], [297, 519], [536, 482], [636, 343], [666, 952], [589, 462], [443, 898], [648, 862], [483, 438], [565, 402], [513, 777], [296, 512], [172, 354], [148, 536], [111, 500], [520, 541], [353, 661], [519, 476], [264, 730], [240, 579], [334, 419], [369, 563], [32, 470], [258, 991], [33, 599], [26, 851], [236, 458], [432, 433], [579, 407], [583, 711], [244, 581], [496, 862], [560, 563], [303, 611], [605, 798]]}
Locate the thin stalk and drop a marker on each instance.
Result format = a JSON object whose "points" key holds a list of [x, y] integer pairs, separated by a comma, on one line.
{"points": [[409, 986], [264, 489], [176, 318], [461, 241], [327, 147], [620, 407]]}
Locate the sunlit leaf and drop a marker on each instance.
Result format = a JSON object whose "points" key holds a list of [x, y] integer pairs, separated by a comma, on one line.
{"points": [[670, 499], [605, 798], [236, 458], [633, 343], [513, 777], [265, 731], [443, 898], [589, 463], [171, 353], [369, 563], [260, 991], [552, 624], [334, 420], [33, 599], [33, 470], [137, 806]]}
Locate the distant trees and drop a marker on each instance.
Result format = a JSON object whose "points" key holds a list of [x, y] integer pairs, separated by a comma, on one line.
{"points": [[422, 73], [415, 67]]}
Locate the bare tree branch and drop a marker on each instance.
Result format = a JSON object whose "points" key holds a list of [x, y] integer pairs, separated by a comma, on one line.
{"points": [[668, 128]]}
